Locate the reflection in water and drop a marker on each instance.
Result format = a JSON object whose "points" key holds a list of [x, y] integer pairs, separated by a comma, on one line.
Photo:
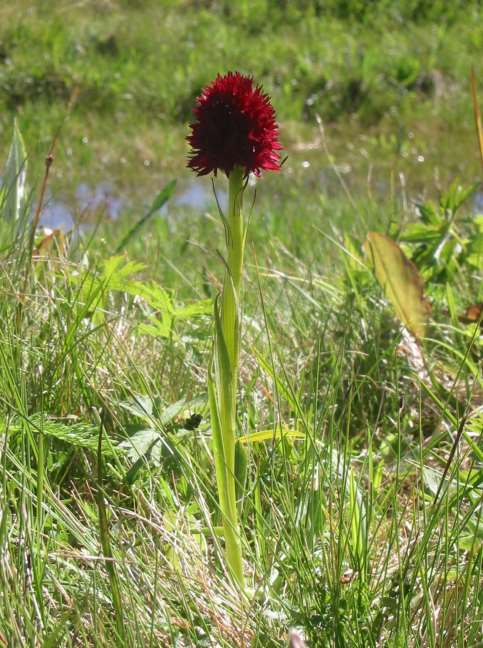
{"points": [[102, 199], [196, 195], [478, 202], [56, 215]]}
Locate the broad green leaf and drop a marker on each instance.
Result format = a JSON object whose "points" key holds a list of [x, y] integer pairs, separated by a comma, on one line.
{"points": [[400, 280], [218, 445], [432, 479], [358, 522], [270, 435], [145, 445], [222, 365], [471, 538], [15, 177], [180, 407], [140, 406]]}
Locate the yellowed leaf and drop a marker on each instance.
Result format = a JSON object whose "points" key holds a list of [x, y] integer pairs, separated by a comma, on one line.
{"points": [[270, 435], [400, 280], [53, 240], [473, 313], [477, 114]]}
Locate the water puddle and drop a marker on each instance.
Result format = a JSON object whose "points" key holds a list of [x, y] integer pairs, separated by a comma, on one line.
{"points": [[102, 197], [478, 202], [198, 194], [56, 215], [103, 201]]}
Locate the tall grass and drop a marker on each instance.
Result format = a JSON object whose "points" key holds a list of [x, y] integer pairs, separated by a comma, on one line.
{"points": [[364, 530]]}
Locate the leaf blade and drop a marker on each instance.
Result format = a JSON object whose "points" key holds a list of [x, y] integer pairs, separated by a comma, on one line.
{"points": [[160, 200], [400, 280]]}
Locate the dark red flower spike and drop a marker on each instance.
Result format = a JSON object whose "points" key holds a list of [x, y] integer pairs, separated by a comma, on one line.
{"points": [[235, 126]]}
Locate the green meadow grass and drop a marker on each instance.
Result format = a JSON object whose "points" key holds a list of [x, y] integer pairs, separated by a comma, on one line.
{"points": [[366, 528], [366, 531]]}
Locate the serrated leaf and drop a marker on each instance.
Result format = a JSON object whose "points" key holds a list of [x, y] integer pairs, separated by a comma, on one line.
{"points": [[202, 307], [154, 295], [116, 272], [429, 214], [475, 251], [421, 233], [114, 275], [157, 327], [455, 196], [78, 435], [400, 280]]}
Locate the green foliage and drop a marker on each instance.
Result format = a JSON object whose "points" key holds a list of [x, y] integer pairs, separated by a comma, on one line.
{"points": [[150, 444], [116, 275], [332, 58], [167, 312], [256, 13], [359, 461], [441, 242]]}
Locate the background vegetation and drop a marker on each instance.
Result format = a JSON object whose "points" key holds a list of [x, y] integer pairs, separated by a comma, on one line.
{"points": [[366, 529], [382, 68]]}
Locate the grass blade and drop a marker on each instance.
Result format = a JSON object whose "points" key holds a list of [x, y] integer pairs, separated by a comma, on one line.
{"points": [[160, 200]]}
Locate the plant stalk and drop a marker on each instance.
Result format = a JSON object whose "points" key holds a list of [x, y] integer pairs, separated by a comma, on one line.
{"points": [[225, 364]]}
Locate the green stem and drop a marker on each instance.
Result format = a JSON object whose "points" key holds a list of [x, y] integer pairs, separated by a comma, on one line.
{"points": [[227, 342], [235, 236]]}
